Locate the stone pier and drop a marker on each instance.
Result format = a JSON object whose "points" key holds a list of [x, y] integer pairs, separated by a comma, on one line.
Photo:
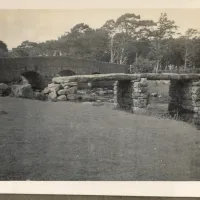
{"points": [[131, 94], [184, 96]]}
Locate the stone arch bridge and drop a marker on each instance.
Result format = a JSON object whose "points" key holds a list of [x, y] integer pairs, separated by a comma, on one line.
{"points": [[40, 70], [131, 90]]}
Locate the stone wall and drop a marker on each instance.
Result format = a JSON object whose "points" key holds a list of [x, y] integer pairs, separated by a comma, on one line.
{"points": [[70, 91]]}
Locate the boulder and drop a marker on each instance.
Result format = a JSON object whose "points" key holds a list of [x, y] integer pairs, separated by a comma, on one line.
{"points": [[102, 92], [24, 81], [111, 100], [4, 89], [89, 85], [140, 103], [3, 86], [83, 86], [69, 84], [72, 90], [154, 94], [23, 91], [62, 98], [54, 86], [72, 97], [46, 90], [81, 92], [53, 96], [40, 96], [196, 90], [87, 98], [61, 92], [66, 87], [98, 103]]}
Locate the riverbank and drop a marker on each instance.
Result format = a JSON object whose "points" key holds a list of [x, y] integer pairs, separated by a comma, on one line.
{"points": [[77, 141]]}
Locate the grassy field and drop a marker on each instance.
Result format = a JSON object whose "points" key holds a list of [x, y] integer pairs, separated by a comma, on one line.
{"points": [[159, 87], [74, 141]]}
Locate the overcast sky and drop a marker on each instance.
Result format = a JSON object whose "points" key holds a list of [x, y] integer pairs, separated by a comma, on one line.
{"points": [[40, 25]]}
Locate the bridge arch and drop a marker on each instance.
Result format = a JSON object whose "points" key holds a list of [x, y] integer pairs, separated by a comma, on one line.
{"points": [[34, 79], [66, 73]]}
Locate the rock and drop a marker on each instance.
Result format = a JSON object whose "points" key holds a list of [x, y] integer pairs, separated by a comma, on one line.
{"points": [[24, 81], [195, 97], [140, 84], [40, 96], [142, 89], [89, 85], [46, 90], [54, 86], [140, 103], [87, 102], [110, 92], [81, 92], [111, 100], [122, 76], [53, 96], [72, 90], [101, 92], [4, 88], [69, 84], [62, 98], [196, 90], [7, 91], [23, 91], [98, 103], [95, 77], [93, 94], [62, 92], [87, 98], [136, 95], [154, 94], [66, 87], [2, 112], [83, 85], [72, 97], [139, 111]]}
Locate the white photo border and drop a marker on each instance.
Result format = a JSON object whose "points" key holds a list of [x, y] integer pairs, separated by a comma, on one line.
{"points": [[117, 188], [104, 188]]}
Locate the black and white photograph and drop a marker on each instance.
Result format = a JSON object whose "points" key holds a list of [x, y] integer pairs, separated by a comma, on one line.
{"points": [[100, 94]]}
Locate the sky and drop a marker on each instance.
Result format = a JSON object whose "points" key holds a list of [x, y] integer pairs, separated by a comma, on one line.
{"points": [[40, 25]]}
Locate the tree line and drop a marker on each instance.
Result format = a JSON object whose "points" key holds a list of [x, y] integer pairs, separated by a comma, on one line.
{"points": [[146, 45]]}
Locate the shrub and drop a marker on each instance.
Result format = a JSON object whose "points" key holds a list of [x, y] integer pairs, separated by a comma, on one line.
{"points": [[143, 65]]}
